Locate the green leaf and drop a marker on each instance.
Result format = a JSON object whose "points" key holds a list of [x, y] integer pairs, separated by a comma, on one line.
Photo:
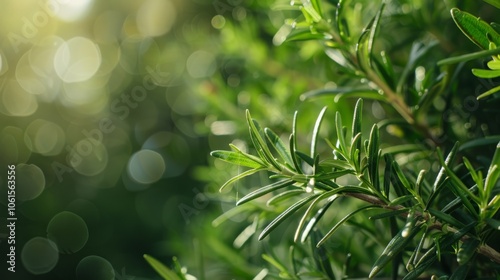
{"points": [[493, 223], [285, 214], [467, 250], [405, 148], [494, 64], [403, 178], [340, 133], [342, 221], [322, 257], [343, 28], [394, 247], [259, 143], [265, 190], [161, 269], [493, 172], [442, 172], [238, 158], [317, 6], [314, 220], [335, 163], [446, 218], [277, 264], [468, 57], [477, 30], [340, 92], [400, 200], [389, 159], [311, 10], [488, 140], [488, 93], [460, 273], [306, 158], [279, 146], [459, 187], [356, 125], [391, 213], [303, 34], [284, 196], [431, 256], [314, 140]]}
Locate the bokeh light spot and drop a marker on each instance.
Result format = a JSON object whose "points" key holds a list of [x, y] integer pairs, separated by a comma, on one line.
{"points": [[146, 166], [155, 17], [39, 255], [44, 137], [30, 181], [76, 60], [68, 231], [201, 64], [94, 268]]}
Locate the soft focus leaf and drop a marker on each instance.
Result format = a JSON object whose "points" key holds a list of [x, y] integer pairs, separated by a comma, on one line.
{"points": [[467, 250], [342, 221]]}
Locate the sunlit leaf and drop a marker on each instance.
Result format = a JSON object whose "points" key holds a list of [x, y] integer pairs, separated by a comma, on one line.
{"points": [[485, 73], [477, 30], [239, 177], [315, 133], [495, 3], [265, 190], [285, 214], [365, 42], [161, 269], [373, 156], [467, 250]]}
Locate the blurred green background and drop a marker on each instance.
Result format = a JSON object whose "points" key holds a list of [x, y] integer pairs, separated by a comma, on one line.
{"points": [[109, 110]]}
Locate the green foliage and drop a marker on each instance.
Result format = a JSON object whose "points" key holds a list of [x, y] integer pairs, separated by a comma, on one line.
{"points": [[438, 214]]}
